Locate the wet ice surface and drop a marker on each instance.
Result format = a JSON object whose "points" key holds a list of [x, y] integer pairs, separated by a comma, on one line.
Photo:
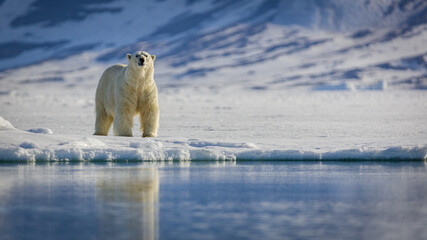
{"points": [[214, 200]]}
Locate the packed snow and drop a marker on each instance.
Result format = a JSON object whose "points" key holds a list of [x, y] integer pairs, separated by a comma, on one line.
{"points": [[228, 125], [257, 85]]}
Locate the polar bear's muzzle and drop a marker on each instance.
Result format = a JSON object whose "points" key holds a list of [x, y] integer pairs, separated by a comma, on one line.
{"points": [[141, 61]]}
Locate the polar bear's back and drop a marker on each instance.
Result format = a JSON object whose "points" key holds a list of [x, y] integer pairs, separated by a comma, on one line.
{"points": [[113, 72], [106, 85]]}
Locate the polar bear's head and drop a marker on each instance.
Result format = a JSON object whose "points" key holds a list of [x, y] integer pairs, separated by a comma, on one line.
{"points": [[141, 59]]}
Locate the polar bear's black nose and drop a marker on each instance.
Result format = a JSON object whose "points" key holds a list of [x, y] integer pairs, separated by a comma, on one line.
{"points": [[141, 61]]}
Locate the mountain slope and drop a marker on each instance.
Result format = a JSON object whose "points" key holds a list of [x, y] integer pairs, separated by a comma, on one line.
{"points": [[333, 44]]}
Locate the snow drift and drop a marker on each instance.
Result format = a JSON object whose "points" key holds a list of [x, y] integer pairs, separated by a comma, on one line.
{"points": [[292, 141]]}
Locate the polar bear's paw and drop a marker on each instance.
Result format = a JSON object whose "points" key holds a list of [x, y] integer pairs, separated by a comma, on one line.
{"points": [[149, 134]]}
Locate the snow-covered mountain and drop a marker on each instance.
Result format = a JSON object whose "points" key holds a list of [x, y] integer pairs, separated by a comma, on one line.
{"points": [[331, 44]]}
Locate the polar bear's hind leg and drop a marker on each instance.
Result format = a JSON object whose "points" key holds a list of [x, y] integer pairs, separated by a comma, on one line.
{"points": [[102, 123]]}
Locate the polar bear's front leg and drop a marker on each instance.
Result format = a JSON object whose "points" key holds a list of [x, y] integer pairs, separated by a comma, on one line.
{"points": [[123, 122], [150, 121]]}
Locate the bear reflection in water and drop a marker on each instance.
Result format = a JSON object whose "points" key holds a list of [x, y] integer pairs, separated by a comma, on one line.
{"points": [[127, 203]]}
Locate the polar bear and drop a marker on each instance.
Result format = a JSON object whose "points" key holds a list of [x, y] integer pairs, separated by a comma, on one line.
{"points": [[125, 91]]}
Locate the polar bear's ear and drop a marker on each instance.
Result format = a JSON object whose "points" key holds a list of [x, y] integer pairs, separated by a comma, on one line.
{"points": [[128, 56], [153, 57]]}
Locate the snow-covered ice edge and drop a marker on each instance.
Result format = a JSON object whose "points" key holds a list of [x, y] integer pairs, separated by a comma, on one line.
{"points": [[18, 145]]}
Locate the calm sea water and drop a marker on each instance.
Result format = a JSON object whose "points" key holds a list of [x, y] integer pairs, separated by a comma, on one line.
{"points": [[214, 200]]}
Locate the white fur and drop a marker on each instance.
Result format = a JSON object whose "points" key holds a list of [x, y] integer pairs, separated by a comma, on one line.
{"points": [[125, 91]]}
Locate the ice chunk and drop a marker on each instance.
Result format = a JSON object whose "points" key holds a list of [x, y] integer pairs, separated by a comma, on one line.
{"points": [[5, 125], [40, 130]]}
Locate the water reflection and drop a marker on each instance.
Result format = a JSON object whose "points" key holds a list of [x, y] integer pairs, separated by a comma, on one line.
{"points": [[127, 203], [214, 200]]}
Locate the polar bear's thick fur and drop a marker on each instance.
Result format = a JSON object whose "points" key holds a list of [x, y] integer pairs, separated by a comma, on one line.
{"points": [[125, 91]]}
